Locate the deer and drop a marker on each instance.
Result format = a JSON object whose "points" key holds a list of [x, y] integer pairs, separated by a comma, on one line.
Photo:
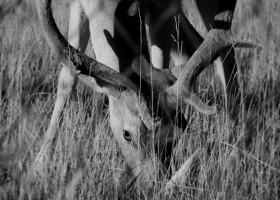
{"points": [[134, 74]]}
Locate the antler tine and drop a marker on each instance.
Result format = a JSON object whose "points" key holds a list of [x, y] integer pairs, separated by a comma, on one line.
{"points": [[78, 62], [162, 80], [217, 40]]}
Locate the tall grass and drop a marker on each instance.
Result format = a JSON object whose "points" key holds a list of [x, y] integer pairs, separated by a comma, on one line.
{"points": [[86, 162]]}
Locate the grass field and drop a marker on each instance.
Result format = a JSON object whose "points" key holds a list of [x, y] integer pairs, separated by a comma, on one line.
{"points": [[87, 163]]}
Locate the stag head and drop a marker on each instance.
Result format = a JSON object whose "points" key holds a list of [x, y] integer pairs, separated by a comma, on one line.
{"points": [[130, 113]]}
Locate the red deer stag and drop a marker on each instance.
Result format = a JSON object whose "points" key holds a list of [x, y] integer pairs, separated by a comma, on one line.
{"points": [[143, 109]]}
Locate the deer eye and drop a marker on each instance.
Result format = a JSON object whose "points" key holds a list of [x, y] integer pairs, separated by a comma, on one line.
{"points": [[127, 136]]}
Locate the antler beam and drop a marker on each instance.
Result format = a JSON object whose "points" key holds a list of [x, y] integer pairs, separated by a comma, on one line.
{"points": [[77, 61]]}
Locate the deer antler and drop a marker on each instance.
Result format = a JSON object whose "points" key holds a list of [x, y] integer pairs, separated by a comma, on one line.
{"points": [[217, 40], [78, 62]]}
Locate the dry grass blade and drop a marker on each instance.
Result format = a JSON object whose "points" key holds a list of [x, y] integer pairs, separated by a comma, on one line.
{"points": [[71, 189]]}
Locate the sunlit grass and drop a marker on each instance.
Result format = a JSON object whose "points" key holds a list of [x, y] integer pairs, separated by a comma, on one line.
{"points": [[86, 161]]}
